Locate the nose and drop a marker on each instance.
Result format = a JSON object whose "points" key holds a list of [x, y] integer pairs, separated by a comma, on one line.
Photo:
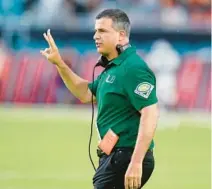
{"points": [[96, 36]]}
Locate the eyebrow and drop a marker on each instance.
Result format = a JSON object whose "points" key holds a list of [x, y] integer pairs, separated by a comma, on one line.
{"points": [[101, 29]]}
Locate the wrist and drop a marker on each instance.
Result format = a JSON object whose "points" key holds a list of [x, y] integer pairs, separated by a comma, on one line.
{"points": [[136, 161], [135, 164], [137, 157], [60, 64]]}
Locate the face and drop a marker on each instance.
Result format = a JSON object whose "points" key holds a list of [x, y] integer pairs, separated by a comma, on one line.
{"points": [[106, 37]]}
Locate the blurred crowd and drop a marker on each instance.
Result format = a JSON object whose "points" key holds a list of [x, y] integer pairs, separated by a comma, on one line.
{"points": [[75, 14]]}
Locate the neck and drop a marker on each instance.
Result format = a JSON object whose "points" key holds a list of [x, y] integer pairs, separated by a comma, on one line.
{"points": [[114, 54]]}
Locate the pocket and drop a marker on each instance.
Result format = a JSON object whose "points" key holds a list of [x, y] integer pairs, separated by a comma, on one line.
{"points": [[121, 160], [101, 160]]}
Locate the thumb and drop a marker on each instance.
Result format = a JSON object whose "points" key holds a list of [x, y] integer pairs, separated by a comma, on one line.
{"points": [[44, 53]]}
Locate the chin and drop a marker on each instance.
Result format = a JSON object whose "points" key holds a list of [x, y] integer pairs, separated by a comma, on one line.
{"points": [[101, 51]]}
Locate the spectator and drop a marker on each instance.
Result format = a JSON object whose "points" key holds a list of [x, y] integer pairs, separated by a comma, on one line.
{"points": [[164, 60], [173, 14]]}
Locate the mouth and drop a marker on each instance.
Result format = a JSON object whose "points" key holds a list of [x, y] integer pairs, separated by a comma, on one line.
{"points": [[98, 45]]}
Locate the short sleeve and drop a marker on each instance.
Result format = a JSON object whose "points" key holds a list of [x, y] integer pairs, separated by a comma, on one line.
{"points": [[94, 85], [140, 87]]}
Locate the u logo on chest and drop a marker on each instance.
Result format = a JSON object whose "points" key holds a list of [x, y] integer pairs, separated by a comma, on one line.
{"points": [[110, 79]]}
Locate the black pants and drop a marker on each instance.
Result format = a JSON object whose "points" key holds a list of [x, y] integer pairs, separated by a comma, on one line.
{"points": [[111, 171]]}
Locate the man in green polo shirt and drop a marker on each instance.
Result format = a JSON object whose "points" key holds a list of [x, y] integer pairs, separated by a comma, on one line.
{"points": [[125, 93]]}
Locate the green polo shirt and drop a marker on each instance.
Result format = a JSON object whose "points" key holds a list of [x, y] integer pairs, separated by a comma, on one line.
{"points": [[125, 87]]}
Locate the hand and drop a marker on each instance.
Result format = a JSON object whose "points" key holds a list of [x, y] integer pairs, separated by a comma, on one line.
{"points": [[52, 53], [133, 176]]}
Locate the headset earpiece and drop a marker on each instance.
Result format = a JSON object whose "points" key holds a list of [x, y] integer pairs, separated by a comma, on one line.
{"points": [[121, 48]]}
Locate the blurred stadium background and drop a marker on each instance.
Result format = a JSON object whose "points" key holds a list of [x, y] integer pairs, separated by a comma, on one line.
{"points": [[44, 130]]}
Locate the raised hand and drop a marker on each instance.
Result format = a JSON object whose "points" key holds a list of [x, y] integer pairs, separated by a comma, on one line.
{"points": [[52, 53]]}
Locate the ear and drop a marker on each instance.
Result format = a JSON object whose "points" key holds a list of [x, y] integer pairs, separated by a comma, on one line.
{"points": [[122, 35]]}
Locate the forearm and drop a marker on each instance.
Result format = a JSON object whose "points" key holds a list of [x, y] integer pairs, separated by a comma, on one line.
{"points": [[76, 85], [148, 124]]}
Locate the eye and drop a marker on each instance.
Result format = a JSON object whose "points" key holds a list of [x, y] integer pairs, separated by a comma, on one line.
{"points": [[101, 30]]}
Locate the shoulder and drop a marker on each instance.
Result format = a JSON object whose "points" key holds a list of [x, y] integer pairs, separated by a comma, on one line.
{"points": [[136, 65]]}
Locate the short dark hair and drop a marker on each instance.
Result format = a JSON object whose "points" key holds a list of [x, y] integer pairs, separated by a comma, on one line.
{"points": [[119, 18]]}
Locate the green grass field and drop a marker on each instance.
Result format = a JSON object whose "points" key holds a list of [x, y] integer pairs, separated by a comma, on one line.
{"points": [[47, 149]]}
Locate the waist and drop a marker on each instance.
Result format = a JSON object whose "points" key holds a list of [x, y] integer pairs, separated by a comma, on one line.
{"points": [[100, 153]]}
